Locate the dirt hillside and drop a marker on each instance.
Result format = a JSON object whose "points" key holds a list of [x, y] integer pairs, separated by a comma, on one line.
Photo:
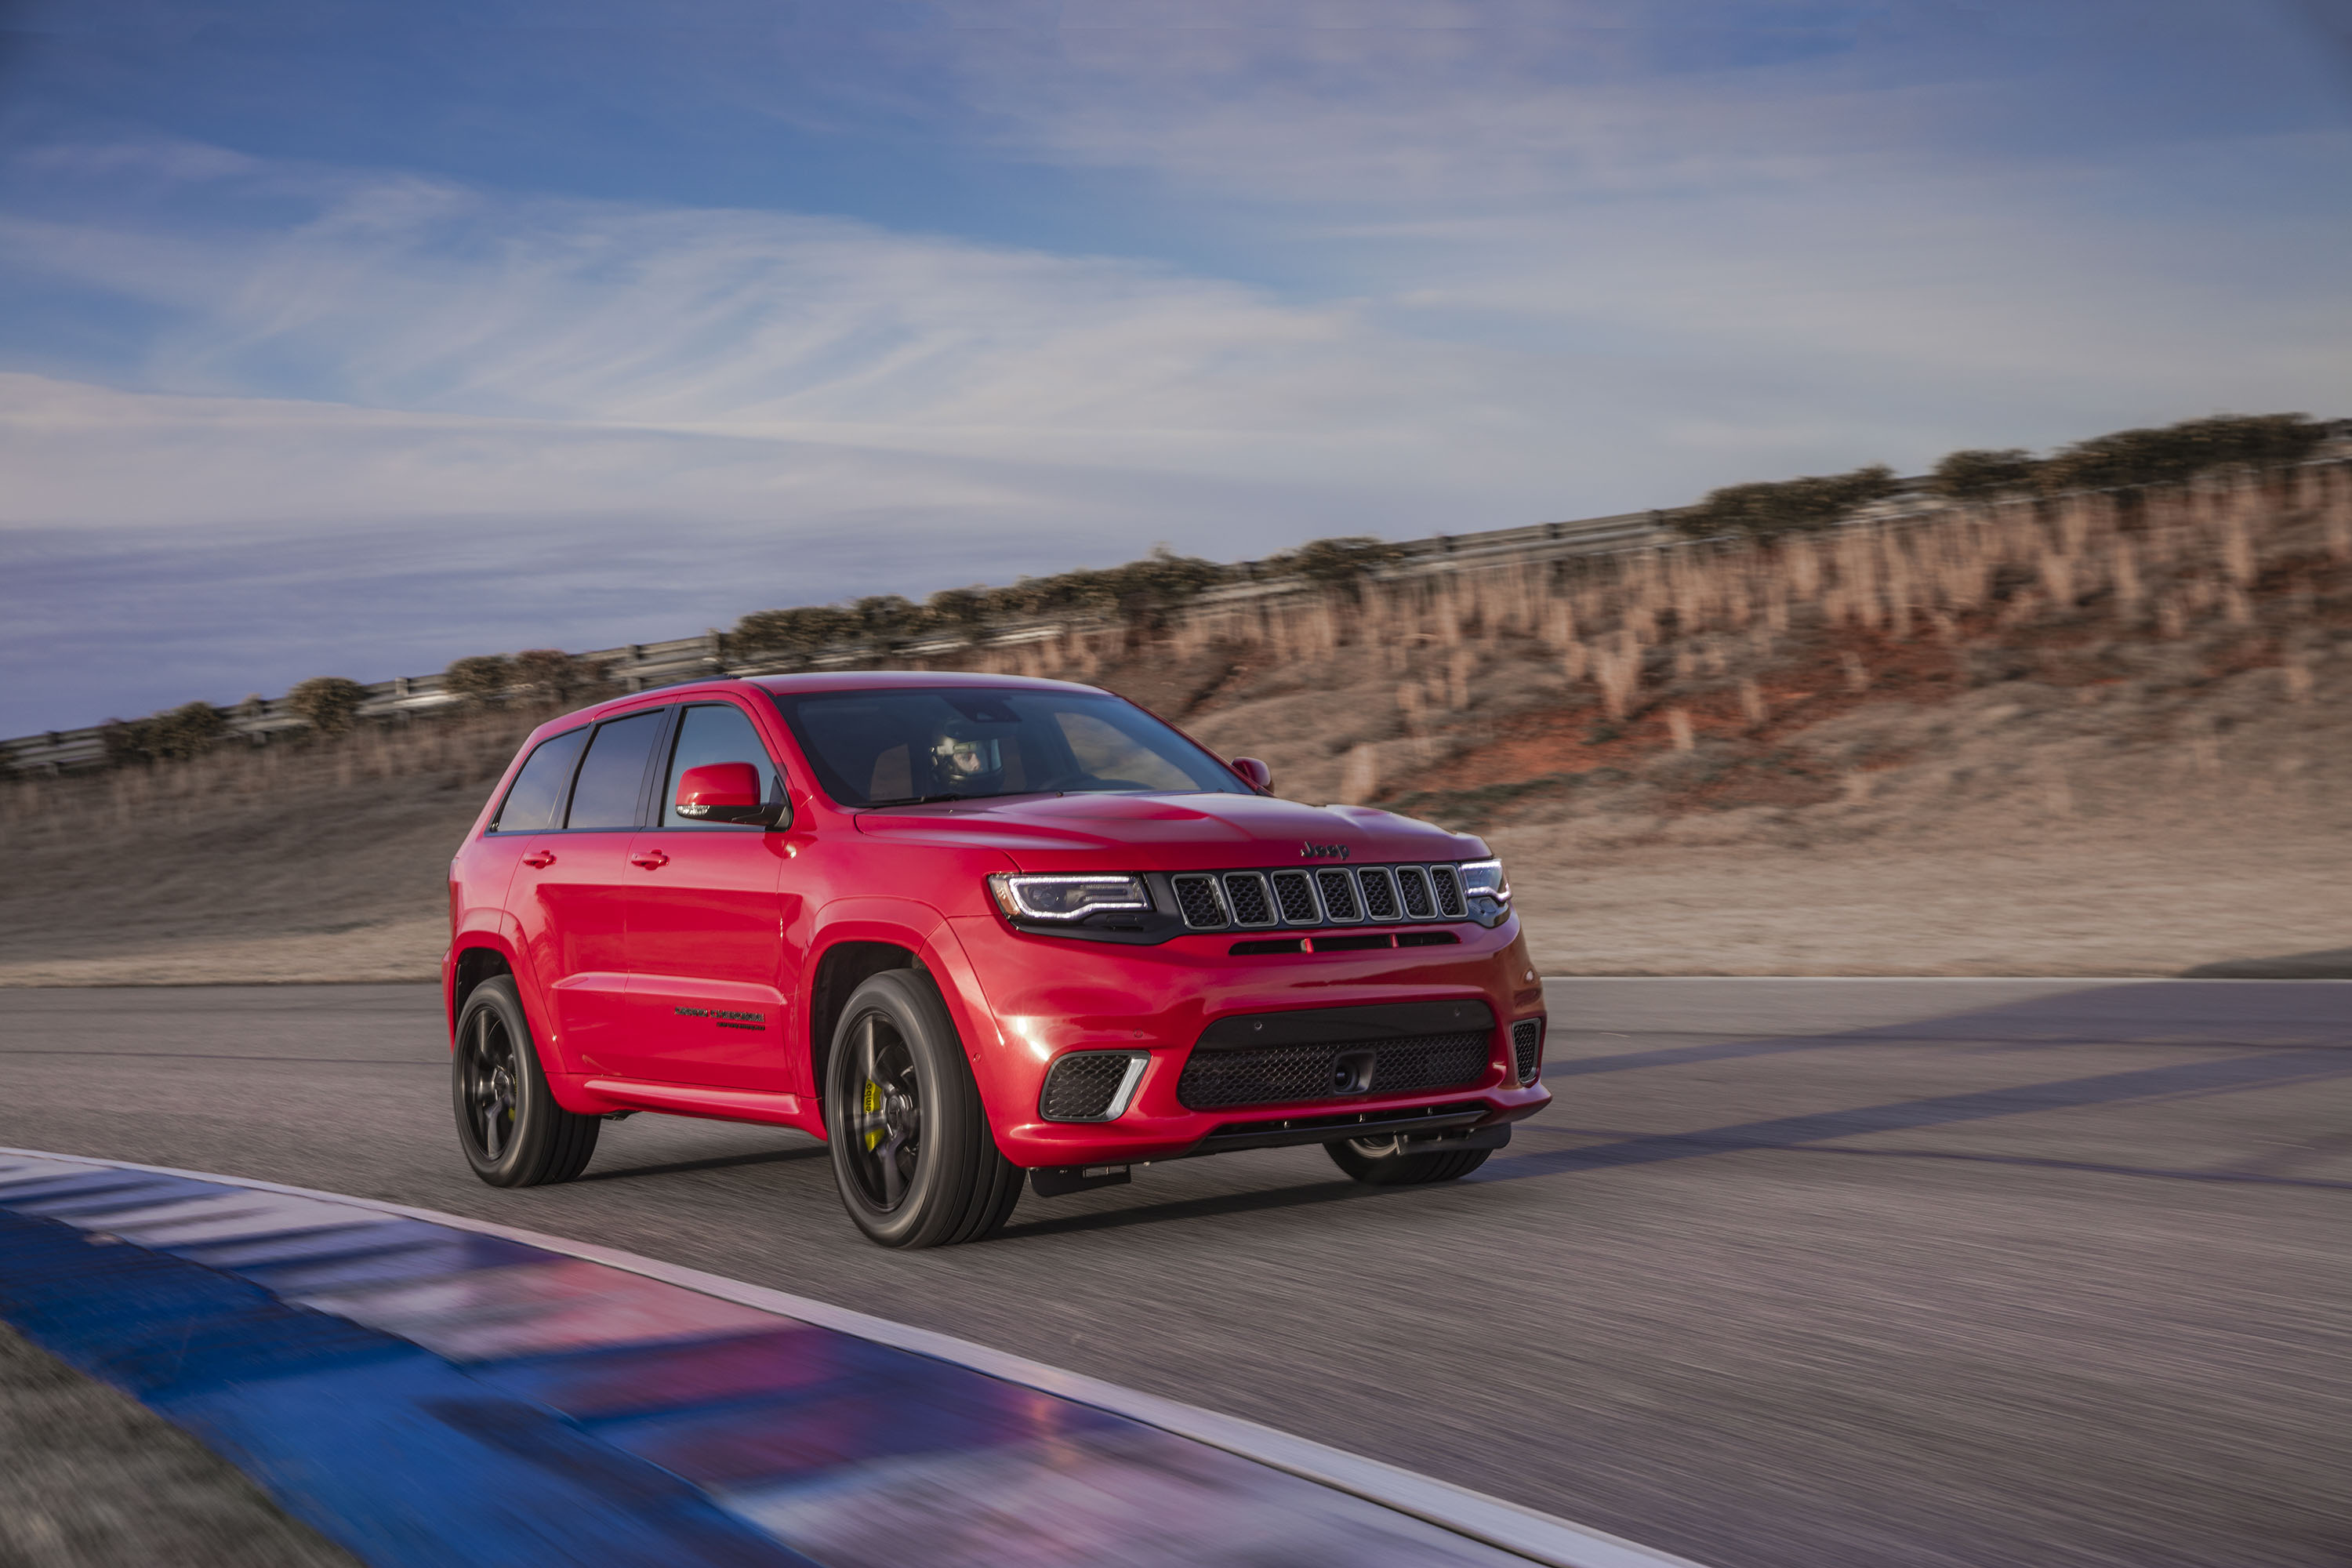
{"points": [[2104, 734]]}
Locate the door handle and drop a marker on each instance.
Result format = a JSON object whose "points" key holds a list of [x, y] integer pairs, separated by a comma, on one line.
{"points": [[651, 859], [540, 858]]}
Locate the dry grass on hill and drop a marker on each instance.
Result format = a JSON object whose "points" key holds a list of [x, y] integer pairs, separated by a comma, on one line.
{"points": [[2095, 735]]}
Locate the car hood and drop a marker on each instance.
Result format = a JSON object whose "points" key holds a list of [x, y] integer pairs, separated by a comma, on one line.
{"points": [[1168, 832]]}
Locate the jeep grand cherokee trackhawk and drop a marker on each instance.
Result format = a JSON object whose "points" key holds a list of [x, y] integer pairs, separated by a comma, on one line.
{"points": [[967, 927]]}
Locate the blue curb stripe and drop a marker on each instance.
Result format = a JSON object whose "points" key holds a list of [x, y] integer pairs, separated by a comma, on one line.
{"points": [[379, 1446], [436, 1397]]}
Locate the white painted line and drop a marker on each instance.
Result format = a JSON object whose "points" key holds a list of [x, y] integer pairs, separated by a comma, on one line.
{"points": [[1538, 1537]]}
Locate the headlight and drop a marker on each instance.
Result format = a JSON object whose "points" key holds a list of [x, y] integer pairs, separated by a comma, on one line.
{"points": [[1486, 877], [1046, 898], [1488, 892]]}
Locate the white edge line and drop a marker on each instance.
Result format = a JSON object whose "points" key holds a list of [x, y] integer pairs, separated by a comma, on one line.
{"points": [[1524, 1532]]}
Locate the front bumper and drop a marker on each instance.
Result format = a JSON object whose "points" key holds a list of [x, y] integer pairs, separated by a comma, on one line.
{"points": [[1046, 996]]}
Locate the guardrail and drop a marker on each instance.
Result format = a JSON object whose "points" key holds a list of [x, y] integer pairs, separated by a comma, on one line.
{"points": [[639, 667]]}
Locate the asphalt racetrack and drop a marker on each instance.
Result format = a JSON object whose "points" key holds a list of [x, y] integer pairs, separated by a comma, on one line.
{"points": [[1792, 1273]]}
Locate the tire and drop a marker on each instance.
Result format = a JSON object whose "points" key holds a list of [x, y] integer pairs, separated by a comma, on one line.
{"points": [[912, 1155], [1376, 1162], [513, 1133]]}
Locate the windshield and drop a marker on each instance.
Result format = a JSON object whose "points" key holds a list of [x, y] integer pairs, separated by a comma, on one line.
{"points": [[901, 746]]}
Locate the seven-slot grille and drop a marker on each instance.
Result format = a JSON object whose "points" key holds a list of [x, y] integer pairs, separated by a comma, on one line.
{"points": [[1333, 895], [1526, 1048], [1213, 1079]]}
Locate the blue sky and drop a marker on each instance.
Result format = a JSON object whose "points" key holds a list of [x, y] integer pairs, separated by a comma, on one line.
{"points": [[351, 338]]}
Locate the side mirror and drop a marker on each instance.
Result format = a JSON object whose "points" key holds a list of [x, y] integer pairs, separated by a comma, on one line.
{"points": [[723, 792], [1253, 772]]}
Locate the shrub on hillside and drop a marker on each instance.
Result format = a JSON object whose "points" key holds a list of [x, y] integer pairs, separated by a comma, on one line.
{"points": [[1336, 562], [327, 703], [1783, 506], [887, 617], [954, 609], [551, 674], [803, 631], [2128, 457], [1138, 592], [188, 731], [481, 680], [1974, 474]]}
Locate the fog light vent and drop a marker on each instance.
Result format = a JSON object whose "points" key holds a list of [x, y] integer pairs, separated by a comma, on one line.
{"points": [[1090, 1086], [1526, 1044]]}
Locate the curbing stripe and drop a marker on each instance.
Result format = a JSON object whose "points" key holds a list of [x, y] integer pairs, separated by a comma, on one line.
{"points": [[1507, 1526]]}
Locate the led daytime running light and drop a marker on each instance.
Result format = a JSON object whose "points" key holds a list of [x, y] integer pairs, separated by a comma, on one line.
{"points": [[1485, 879], [1065, 898]]}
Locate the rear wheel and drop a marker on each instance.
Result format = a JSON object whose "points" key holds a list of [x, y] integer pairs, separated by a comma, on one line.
{"points": [[1382, 1161], [513, 1133], [912, 1154]]}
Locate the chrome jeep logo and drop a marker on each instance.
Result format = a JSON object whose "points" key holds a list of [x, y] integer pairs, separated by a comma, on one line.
{"points": [[1313, 851]]}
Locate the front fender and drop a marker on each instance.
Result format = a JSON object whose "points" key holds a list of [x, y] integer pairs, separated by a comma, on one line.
{"points": [[925, 931]]}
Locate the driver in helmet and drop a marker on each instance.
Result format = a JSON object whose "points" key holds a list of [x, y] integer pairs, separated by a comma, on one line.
{"points": [[967, 761]]}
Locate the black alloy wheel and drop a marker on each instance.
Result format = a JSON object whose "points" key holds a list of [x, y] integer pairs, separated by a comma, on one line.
{"points": [[912, 1155], [1382, 1161], [512, 1131], [885, 1135]]}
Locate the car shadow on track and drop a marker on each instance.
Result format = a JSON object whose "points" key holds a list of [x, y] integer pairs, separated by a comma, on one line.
{"points": [[2281, 1036], [718, 1162], [1223, 1205]]}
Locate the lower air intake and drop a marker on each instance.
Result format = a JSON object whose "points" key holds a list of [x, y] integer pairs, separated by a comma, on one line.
{"points": [[1526, 1048], [1276, 1074], [1082, 1086]]}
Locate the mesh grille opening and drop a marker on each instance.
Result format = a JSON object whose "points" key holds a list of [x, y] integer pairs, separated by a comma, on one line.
{"points": [[1081, 1086], [1339, 890], [1448, 883], [1293, 895], [1274, 1075], [1526, 1048], [1380, 894], [1245, 892], [1197, 897], [1413, 885]]}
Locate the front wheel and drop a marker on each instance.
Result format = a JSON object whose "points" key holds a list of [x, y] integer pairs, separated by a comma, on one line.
{"points": [[912, 1154], [1382, 1161], [513, 1133]]}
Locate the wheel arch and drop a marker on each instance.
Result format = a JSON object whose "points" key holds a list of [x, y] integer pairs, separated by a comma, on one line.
{"points": [[840, 970], [475, 957], [859, 937]]}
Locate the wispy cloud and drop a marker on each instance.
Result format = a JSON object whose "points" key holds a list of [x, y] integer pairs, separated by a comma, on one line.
{"points": [[1448, 266]]}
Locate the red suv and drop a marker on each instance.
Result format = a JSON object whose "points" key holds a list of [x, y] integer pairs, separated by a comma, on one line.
{"points": [[969, 929]]}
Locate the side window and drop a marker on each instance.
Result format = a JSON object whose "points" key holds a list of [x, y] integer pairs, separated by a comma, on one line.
{"points": [[1105, 752], [613, 774], [715, 732], [535, 800]]}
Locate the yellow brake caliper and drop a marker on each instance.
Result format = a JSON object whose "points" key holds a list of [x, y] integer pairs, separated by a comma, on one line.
{"points": [[872, 1105]]}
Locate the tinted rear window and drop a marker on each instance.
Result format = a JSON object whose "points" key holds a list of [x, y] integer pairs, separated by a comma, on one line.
{"points": [[536, 799], [612, 775]]}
